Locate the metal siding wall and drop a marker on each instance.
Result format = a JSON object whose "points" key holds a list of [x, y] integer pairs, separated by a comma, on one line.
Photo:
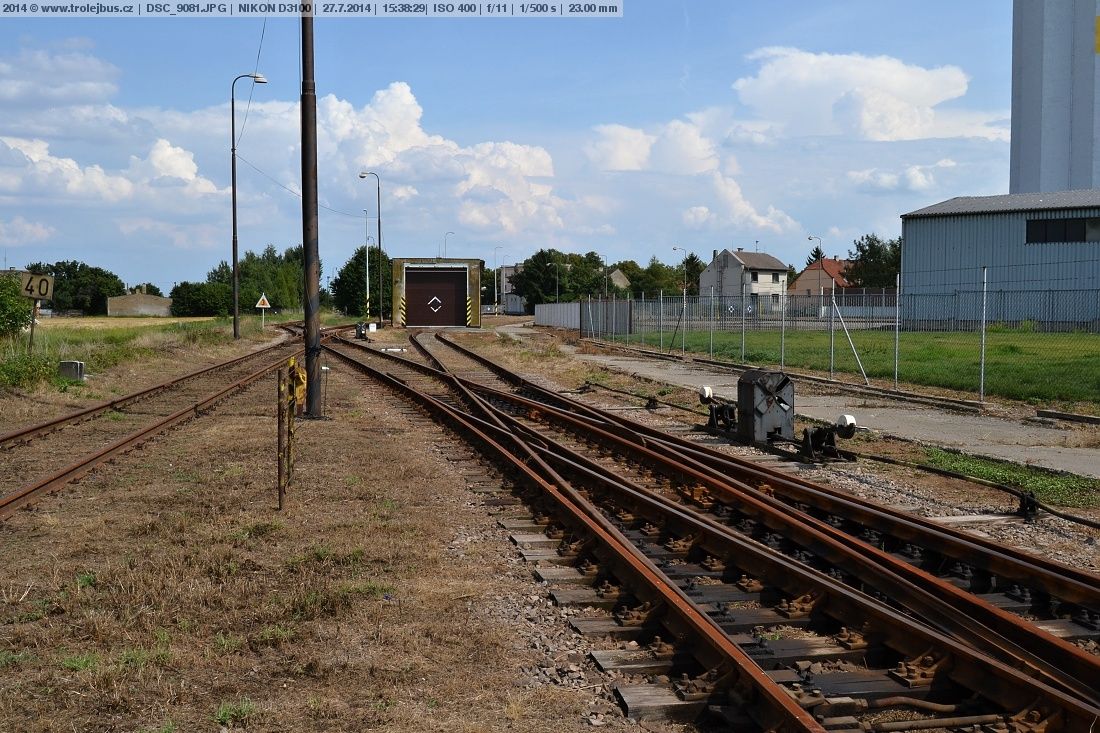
{"points": [[943, 254], [558, 315]]}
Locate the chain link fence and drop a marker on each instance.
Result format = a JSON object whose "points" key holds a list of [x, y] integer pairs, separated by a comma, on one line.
{"points": [[1038, 345]]}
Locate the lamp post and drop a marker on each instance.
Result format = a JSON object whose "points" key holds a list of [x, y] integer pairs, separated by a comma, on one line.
{"points": [[445, 235], [256, 79], [496, 277], [557, 281], [378, 241], [366, 262], [819, 246]]}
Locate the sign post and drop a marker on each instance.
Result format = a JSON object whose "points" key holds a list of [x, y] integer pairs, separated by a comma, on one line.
{"points": [[263, 305], [35, 287]]}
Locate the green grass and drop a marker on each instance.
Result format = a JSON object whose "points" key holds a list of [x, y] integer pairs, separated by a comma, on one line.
{"points": [[10, 659], [80, 662], [1049, 487], [232, 714], [1020, 364]]}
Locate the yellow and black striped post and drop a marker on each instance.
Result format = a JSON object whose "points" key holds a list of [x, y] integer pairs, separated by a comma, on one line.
{"points": [[469, 312], [401, 312]]}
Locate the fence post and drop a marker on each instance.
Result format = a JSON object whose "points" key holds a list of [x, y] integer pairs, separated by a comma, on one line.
{"points": [[783, 331], [743, 274], [897, 326], [684, 323], [661, 317], [981, 379], [832, 333], [713, 316]]}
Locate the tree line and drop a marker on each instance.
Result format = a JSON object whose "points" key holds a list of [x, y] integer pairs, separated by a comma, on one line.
{"points": [[550, 276]]}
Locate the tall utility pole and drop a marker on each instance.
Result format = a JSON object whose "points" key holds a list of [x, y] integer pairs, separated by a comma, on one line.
{"points": [[378, 241], [310, 255], [366, 262], [256, 79]]}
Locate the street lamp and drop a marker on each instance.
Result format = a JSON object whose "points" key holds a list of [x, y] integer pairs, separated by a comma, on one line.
{"points": [[366, 276], [811, 238], [256, 79], [377, 240], [557, 280], [445, 243], [496, 276]]}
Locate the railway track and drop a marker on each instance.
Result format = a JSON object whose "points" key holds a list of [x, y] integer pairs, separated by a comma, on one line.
{"points": [[46, 456], [659, 532]]}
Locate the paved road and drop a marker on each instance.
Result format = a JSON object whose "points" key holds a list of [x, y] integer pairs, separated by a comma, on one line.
{"points": [[976, 434]]}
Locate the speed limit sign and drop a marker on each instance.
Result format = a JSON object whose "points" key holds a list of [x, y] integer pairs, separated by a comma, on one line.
{"points": [[39, 287]]}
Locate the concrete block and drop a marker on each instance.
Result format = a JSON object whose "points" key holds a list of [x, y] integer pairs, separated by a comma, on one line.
{"points": [[71, 370]]}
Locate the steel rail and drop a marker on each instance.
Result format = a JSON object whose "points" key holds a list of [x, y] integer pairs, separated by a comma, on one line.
{"points": [[893, 628], [1010, 697], [10, 503], [1087, 585], [782, 713], [24, 434], [948, 607]]}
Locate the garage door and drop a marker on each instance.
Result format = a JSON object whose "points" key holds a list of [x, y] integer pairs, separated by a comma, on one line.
{"points": [[435, 297]]}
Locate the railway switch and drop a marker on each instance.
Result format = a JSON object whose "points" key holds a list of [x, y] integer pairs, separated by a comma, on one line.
{"points": [[765, 407]]}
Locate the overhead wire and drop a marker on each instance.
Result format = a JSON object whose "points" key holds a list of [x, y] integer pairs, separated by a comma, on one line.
{"points": [[255, 70]]}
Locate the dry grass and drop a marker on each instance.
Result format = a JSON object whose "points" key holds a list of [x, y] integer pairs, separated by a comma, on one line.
{"points": [[98, 322], [164, 593]]}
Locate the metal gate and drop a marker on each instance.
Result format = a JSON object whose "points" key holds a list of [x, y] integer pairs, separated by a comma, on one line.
{"points": [[435, 296]]}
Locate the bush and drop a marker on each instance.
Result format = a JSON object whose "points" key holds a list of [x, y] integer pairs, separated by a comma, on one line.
{"points": [[202, 299], [15, 310], [26, 370]]}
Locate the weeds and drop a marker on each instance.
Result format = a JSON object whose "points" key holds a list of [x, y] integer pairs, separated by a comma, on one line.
{"points": [[1050, 487], [227, 643], [81, 662], [274, 635], [85, 580], [10, 659], [167, 727], [231, 714]]}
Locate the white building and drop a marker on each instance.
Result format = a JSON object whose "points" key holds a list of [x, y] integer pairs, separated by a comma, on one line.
{"points": [[1055, 97], [763, 277]]}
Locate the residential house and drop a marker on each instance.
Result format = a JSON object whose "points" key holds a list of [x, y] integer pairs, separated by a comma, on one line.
{"points": [[822, 276], [757, 275]]}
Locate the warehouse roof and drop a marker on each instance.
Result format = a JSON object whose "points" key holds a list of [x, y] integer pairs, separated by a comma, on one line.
{"points": [[1081, 199]]}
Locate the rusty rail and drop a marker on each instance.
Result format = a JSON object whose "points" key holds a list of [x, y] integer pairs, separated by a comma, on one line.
{"points": [[999, 681], [10, 503]]}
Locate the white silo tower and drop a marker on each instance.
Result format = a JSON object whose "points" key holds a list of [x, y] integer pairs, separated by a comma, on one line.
{"points": [[1055, 97]]}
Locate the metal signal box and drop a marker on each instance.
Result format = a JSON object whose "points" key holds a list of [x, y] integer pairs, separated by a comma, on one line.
{"points": [[765, 406]]}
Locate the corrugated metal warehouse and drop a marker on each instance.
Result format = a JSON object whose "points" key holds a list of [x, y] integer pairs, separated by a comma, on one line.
{"points": [[430, 291], [1041, 252]]}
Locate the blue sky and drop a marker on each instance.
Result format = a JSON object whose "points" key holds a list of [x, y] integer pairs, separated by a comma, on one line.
{"points": [[699, 123]]}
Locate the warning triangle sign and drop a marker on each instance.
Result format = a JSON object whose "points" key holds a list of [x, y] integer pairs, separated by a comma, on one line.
{"points": [[263, 302]]}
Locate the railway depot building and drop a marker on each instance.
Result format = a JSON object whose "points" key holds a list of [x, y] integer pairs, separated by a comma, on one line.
{"points": [[1040, 251], [436, 292]]}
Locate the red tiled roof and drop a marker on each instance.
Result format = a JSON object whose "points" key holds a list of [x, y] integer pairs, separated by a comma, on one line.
{"points": [[833, 268]]}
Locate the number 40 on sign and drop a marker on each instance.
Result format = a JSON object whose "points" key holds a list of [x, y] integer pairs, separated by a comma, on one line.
{"points": [[39, 287]]}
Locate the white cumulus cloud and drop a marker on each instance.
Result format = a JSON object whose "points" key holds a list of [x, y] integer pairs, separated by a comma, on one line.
{"points": [[19, 231], [872, 97], [910, 178], [620, 148]]}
